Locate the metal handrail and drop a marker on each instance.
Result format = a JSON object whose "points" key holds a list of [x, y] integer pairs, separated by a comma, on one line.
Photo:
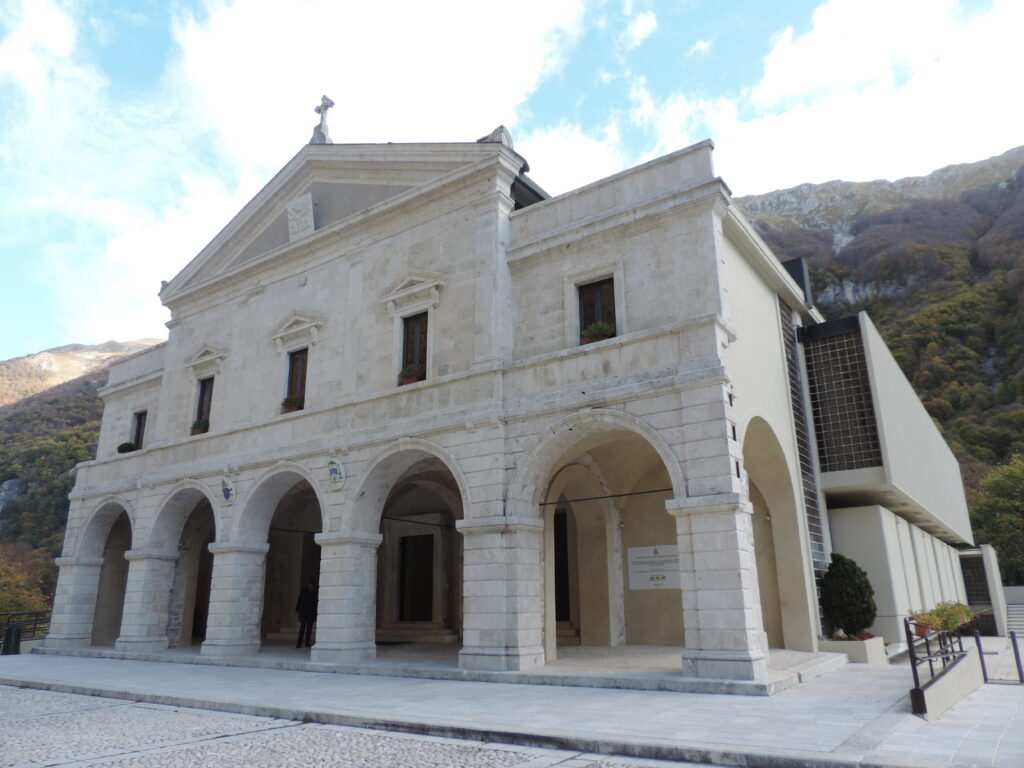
{"points": [[32, 623], [949, 650]]}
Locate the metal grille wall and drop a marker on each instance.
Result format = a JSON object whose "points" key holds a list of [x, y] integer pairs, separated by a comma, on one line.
{"points": [[812, 499], [841, 402], [974, 581]]}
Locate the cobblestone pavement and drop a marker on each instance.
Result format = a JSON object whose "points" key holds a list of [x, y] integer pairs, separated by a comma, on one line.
{"points": [[43, 728]]}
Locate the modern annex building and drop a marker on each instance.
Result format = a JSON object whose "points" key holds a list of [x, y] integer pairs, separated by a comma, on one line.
{"points": [[475, 414]]}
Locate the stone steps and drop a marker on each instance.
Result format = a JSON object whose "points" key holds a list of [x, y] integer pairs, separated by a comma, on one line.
{"points": [[1015, 618]]}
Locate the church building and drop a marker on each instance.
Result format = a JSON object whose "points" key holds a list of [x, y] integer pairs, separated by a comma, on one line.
{"points": [[504, 423]]}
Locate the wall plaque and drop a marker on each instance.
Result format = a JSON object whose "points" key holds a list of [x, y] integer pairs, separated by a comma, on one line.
{"points": [[654, 567]]}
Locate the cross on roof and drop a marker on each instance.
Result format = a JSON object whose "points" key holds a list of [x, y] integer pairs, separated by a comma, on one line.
{"points": [[320, 134]]}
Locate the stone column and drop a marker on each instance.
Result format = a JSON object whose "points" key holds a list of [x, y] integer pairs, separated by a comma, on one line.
{"points": [[236, 599], [74, 602], [724, 632], [144, 620], [503, 604], [346, 623], [721, 607]]}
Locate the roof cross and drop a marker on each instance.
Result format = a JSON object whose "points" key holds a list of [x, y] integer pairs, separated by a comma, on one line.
{"points": [[320, 134]]}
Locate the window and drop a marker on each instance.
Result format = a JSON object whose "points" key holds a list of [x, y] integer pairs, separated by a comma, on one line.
{"points": [[205, 399], [139, 429], [414, 349], [597, 310], [295, 396]]}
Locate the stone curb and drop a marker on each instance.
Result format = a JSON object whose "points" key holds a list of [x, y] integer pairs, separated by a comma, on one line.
{"points": [[708, 754]]}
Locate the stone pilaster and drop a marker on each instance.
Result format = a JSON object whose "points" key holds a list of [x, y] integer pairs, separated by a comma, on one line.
{"points": [[144, 620], [74, 602], [346, 616], [724, 633], [236, 599], [503, 598]]}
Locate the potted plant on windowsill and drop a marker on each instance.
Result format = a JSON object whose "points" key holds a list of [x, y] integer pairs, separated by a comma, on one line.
{"points": [[291, 404], [597, 331], [127, 447], [200, 426], [411, 374]]}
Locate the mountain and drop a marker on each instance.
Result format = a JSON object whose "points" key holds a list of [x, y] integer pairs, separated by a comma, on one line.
{"points": [[938, 262], [21, 377], [46, 428]]}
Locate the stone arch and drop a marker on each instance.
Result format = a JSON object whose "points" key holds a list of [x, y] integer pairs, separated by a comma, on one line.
{"points": [[186, 521], [260, 504], [173, 511], [530, 478], [785, 577], [94, 533], [384, 470]]}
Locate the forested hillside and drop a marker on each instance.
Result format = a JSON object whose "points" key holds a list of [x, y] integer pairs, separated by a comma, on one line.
{"points": [[943, 279]]}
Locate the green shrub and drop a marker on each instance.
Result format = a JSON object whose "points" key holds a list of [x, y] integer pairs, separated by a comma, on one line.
{"points": [[847, 598]]}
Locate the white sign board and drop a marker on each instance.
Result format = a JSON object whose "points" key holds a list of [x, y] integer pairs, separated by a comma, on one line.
{"points": [[654, 567]]}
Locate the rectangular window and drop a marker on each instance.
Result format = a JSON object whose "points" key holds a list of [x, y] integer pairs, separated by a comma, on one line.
{"points": [[597, 311], [296, 394], [414, 348], [202, 422], [139, 429]]}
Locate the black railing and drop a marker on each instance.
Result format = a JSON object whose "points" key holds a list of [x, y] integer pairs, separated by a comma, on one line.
{"points": [[941, 651], [32, 623], [1016, 659]]}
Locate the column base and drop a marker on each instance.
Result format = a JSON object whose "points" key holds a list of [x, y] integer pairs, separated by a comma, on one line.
{"points": [[62, 642], [501, 659], [725, 665], [228, 649], [141, 644], [342, 653]]}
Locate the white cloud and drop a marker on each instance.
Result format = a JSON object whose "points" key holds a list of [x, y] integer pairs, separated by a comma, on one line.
{"points": [[874, 89], [640, 28], [564, 157], [701, 47], [139, 184]]}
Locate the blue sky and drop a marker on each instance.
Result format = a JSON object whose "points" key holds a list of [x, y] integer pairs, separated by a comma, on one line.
{"points": [[130, 132]]}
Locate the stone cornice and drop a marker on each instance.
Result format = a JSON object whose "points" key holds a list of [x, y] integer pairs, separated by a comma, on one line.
{"points": [[705, 193], [138, 381]]}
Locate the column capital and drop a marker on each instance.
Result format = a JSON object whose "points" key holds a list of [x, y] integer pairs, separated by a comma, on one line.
{"points": [[729, 503], [223, 547], [149, 554], [95, 562], [500, 524], [360, 538]]}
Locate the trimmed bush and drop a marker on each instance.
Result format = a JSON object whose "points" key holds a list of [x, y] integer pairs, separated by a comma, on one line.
{"points": [[847, 598]]}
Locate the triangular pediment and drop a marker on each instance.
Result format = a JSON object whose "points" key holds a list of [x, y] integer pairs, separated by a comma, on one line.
{"points": [[298, 329], [207, 359], [320, 188], [416, 286]]}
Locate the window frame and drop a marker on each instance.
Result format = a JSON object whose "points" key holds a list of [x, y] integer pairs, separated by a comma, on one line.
{"points": [[572, 313], [291, 390], [204, 397], [139, 419]]}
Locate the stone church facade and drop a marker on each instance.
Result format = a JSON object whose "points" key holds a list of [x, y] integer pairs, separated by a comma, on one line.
{"points": [[475, 414]]}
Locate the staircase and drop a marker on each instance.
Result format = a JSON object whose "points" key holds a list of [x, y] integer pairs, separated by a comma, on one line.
{"points": [[1015, 619]]}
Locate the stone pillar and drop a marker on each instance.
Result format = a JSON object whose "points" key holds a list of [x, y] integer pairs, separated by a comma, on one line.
{"points": [[144, 620], [346, 623], [503, 604], [236, 599], [74, 602], [721, 607], [724, 632]]}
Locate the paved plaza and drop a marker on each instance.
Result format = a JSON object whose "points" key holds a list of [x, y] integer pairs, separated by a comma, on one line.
{"points": [[157, 713]]}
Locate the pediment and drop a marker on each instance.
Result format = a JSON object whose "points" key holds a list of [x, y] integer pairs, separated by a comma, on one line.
{"points": [[297, 330], [416, 287], [207, 360], [321, 186]]}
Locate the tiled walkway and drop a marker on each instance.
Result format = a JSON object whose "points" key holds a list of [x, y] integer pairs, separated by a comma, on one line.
{"points": [[857, 715]]}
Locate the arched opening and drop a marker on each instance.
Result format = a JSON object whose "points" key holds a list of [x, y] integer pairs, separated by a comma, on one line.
{"points": [[611, 557], [419, 562], [292, 564], [189, 606], [785, 578], [113, 577]]}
